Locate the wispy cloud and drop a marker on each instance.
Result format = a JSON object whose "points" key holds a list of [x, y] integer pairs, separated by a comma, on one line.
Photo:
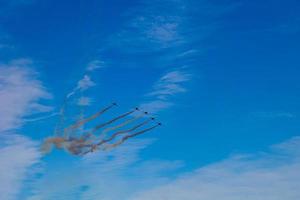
{"points": [[188, 53], [17, 155], [95, 64], [161, 25], [170, 84], [269, 175], [85, 83], [93, 176], [82, 85], [164, 33], [167, 86], [152, 26], [155, 106], [20, 92], [266, 176]]}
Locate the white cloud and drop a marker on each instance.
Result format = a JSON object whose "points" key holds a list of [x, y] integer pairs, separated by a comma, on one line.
{"points": [[264, 176], [17, 154], [271, 175], [20, 93], [94, 175], [83, 84]]}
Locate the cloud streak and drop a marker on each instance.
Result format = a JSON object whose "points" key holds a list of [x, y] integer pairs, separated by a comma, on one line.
{"points": [[20, 93], [265, 176], [152, 26], [166, 87], [269, 175], [92, 177], [95, 64], [17, 155]]}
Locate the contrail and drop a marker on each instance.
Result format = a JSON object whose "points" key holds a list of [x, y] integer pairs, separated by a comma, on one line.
{"points": [[42, 118], [129, 136], [72, 93], [85, 120]]}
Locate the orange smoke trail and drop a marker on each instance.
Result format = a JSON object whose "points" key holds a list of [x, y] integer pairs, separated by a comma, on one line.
{"points": [[121, 141], [58, 142], [85, 120], [124, 131], [113, 136], [111, 121], [120, 125]]}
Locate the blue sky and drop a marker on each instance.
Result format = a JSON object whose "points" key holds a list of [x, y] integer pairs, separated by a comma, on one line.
{"points": [[222, 76]]}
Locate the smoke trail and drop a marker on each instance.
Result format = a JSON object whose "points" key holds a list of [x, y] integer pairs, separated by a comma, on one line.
{"points": [[85, 120], [113, 136], [128, 121], [46, 147], [111, 121], [72, 145], [76, 146], [125, 131], [121, 141], [49, 142], [60, 123], [82, 84]]}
